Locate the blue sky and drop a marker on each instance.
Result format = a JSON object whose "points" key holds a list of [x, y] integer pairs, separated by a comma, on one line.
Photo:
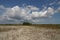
{"points": [[34, 11]]}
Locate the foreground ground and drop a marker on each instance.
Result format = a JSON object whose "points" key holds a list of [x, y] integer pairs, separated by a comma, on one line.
{"points": [[29, 33]]}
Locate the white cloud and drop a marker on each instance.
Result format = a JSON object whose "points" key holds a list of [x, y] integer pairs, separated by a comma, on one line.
{"points": [[27, 13], [52, 3], [55, 2], [32, 8], [58, 3], [39, 14], [50, 11], [57, 10], [45, 13]]}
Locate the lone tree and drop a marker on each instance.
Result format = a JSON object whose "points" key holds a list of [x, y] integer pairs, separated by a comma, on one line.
{"points": [[26, 23]]}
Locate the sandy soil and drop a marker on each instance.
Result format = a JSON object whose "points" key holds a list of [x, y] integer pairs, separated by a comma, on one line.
{"points": [[29, 33]]}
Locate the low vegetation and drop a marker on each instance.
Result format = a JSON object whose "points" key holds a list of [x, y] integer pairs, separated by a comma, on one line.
{"points": [[26, 23]]}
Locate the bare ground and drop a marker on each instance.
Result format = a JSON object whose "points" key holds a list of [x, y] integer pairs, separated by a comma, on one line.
{"points": [[28, 33]]}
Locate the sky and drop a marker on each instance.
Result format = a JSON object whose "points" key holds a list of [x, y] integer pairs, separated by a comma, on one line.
{"points": [[33, 11]]}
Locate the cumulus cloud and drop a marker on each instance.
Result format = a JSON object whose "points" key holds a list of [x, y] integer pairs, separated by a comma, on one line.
{"points": [[29, 13], [45, 13], [57, 10]]}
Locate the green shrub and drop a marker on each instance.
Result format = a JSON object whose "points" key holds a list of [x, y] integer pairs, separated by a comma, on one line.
{"points": [[26, 23]]}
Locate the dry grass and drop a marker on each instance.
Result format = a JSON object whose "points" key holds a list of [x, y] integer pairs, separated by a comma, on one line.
{"points": [[30, 32], [48, 26]]}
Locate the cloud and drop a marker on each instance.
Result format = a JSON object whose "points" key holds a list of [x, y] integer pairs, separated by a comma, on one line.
{"points": [[29, 13], [58, 3], [52, 3], [55, 2], [57, 10], [32, 8], [45, 13]]}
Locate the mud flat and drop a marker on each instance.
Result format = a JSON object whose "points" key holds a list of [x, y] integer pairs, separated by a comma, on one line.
{"points": [[28, 33]]}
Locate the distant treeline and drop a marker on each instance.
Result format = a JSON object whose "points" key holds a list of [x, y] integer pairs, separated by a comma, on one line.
{"points": [[36, 25], [32, 24]]}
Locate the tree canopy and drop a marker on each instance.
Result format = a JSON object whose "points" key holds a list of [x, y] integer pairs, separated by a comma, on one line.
{"points": [[26, 23]]}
